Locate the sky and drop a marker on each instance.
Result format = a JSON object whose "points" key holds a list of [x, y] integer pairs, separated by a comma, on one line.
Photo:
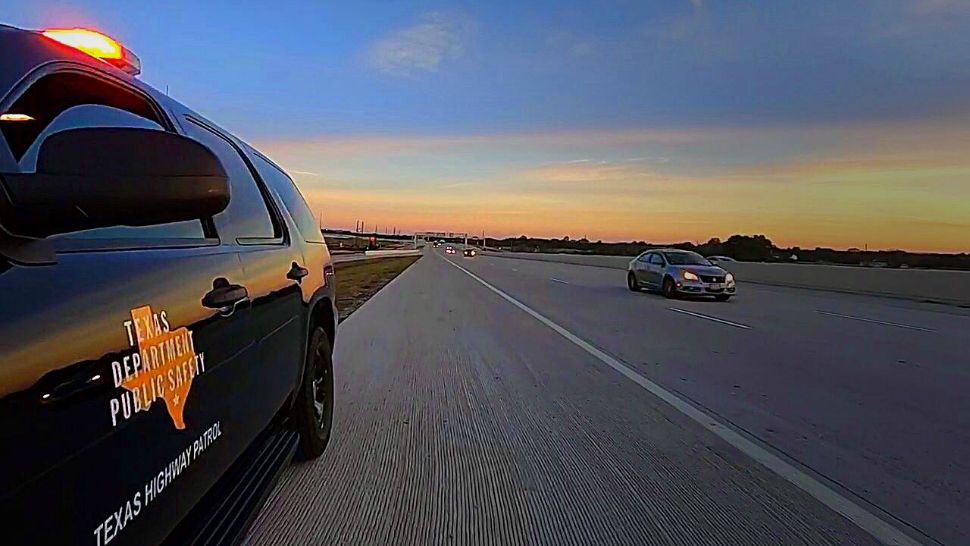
{"points": [[824, 123]]}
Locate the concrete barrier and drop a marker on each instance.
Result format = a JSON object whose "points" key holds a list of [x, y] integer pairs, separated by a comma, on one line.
{"points": [[371, 255], [397, 252], [938, 286]]}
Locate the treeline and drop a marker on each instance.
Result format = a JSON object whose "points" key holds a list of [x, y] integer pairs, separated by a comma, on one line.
{"points": [[748, 248], [884, 258]]}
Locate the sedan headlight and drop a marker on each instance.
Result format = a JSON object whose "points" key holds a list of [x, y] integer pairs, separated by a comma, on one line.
{"points": [[729, 278], [691, 276]]}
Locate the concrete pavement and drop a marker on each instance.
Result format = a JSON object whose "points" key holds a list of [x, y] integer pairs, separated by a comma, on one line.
{"points": [[462, 419], [870, 392]]}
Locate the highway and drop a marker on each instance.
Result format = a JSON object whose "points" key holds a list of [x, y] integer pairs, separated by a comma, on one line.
{"points": [[495, 400]]}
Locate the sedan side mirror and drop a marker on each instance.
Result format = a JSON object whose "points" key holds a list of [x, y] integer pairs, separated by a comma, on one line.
{"points": [[103, 177]]}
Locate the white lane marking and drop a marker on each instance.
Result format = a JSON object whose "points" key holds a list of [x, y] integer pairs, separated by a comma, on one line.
{"points": [[874, 321], [514, 269], [557, 280], [708, 317], [881, 530]]}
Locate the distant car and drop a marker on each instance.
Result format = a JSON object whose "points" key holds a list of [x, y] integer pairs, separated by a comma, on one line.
{"points": [[721, 259], [435, 244], [470, 252], [679, 273], [449, 250]]}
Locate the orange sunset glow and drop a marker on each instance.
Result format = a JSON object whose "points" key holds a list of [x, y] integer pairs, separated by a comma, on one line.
{"points": [[876, 185]]}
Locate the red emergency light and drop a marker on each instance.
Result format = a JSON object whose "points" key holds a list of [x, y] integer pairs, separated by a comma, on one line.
{"points": [[97, 45]]}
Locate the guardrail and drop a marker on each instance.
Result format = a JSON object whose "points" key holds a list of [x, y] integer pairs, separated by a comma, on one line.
{"points": [[937, 286]]}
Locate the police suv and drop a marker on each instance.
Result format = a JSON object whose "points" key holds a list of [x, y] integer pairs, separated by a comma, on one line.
{"points": [[166, 308]]}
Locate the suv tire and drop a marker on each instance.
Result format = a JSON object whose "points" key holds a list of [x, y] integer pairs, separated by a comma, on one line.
{"points": [[313, 411]]}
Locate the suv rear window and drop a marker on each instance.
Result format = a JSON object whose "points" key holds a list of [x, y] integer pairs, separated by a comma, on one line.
{"points": [[292, 199], [248, 209]]}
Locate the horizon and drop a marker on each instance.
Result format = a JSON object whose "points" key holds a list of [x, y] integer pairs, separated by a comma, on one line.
{"points": [[474, 236], [822, 124]]}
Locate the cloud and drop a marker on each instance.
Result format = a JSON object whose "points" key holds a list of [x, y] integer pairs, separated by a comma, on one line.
{"points": [[455, 185], [300, 150], [423, 47], [941, 7], [914, 21], [580, 49], [573, 45], [585, 171], [660, 160]]}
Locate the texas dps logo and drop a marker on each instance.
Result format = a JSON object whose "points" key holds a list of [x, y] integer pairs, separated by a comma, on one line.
{"points": [[163, 366]]}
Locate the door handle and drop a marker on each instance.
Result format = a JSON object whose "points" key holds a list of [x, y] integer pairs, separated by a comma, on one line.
{"points": [[297, 272], [225, 296]]}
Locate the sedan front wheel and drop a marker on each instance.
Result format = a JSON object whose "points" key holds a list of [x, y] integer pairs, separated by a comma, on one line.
{"points": [[631, 282], [669, 288]]}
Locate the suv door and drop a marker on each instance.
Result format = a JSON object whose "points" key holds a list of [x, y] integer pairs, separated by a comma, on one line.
{"points": [[273, 271], [108, 357]]}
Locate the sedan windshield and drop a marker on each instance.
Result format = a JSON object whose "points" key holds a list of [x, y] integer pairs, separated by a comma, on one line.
{"points": [[685, 258]]}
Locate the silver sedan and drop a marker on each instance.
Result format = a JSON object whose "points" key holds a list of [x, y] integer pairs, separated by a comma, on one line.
{"points": [[679, 273]]}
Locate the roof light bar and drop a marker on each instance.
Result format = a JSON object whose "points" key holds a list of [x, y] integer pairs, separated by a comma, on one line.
{"points": [[97, 45]]}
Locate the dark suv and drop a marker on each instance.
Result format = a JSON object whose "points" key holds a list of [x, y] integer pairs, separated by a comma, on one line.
{"points": [[166, 309]]}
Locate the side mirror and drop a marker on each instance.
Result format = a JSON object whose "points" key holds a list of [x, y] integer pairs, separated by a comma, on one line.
{"points": [[104, 177]]}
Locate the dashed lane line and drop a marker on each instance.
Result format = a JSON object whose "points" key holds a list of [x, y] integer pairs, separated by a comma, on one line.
{"points": [[710, 318], [875, 321]]}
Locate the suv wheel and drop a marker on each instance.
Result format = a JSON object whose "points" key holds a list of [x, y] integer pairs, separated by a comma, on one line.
{"points": [[669, 290], [631, 282], [313, 411]]}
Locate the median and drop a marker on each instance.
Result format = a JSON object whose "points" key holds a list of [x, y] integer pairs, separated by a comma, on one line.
{"points": [[358, 280]]}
